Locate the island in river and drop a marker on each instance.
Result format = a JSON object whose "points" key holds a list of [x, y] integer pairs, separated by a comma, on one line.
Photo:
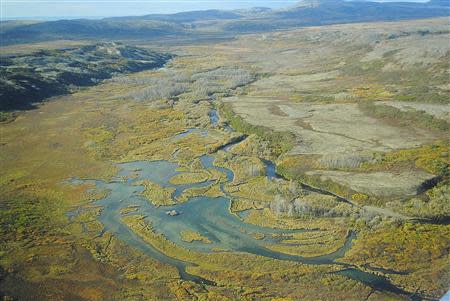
{"points": [[273, 192]]}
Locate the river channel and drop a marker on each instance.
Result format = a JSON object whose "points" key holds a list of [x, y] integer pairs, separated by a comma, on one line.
{"points": [[211, 217]]}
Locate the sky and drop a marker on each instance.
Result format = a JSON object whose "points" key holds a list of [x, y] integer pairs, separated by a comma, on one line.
{"points": [[69, 9], [105, 8]]}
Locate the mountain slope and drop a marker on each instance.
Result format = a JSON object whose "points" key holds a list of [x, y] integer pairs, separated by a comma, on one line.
{"points": [[310, 13], [190, 16], [32, 78], [89, 29], [197, 23]]}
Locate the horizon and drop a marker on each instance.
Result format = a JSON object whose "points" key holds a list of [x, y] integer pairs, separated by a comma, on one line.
{"points": [[50, 10]]}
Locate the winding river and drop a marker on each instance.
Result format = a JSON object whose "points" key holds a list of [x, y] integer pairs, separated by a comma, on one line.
{"points": [[208, 216]]}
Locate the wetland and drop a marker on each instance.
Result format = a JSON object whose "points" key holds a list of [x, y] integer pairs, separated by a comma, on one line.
{"points": [[268, 167]]}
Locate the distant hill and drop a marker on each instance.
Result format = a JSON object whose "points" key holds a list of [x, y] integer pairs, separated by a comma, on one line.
{"points": [[190, 16], [312, 12], [444, 3], [156, 26], [10, 24], [89, 29], [26, 79]]}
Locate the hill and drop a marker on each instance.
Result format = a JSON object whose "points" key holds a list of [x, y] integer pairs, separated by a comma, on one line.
{"points": [[31, 78], [221, 23]]}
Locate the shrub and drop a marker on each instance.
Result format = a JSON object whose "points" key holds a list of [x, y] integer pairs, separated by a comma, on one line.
{"points": [[234, 76], [6, 116], [279, 142], [310, 206], [162, 91], [337, 161], [405, 118]]}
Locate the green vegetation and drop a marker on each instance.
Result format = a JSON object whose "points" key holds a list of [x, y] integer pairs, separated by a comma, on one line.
{"points": [[432, 205], [244, 168], [422, 94], [292, 168], [27, 217], [404, 118], [140, 117], [433, 158], [246, 275], [312, 244], [279, 142], [6, 116], [418, 249]]}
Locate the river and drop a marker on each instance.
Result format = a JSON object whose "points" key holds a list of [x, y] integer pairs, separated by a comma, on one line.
{"points": [[208, 216]]}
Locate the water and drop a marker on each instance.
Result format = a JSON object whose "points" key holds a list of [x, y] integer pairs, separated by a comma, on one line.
{"points": [[213, 117], [270, 169], [208, 216], [376, 282], [208, 162], [236, 140], [187, 132]]}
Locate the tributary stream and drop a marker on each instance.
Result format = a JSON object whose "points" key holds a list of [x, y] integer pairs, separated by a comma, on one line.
{"points": [[208, 216]]}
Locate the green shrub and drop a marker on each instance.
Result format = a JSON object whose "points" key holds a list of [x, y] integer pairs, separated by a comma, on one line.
{"points": [[405, 118], [6, 116], [279, 142]]}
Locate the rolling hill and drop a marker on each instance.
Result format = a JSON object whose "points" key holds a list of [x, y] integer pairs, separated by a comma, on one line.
{"points": [[196, 23]]}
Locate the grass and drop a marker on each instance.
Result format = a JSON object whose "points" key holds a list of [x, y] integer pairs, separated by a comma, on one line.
{"points": [[266, 218], [82, 135], [255, 189], [245, 275], [279, 142], [432, 158], [77, 138], [244, 168], [292, 168], [312, 244], [189, 178], [420, 250], [432, 205], [212, 191], [192, 236], [421, 94], [156, 194]]}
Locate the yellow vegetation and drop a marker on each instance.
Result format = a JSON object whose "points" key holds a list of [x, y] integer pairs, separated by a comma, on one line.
{"points": [[158, 195], [189, 178], [191, 236]]}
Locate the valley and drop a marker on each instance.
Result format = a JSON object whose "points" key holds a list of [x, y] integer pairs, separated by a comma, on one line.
{"points": [[302, 164]]}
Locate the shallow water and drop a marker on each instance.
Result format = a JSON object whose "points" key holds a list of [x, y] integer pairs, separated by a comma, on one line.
{"points": [[213, 117], [208, 216], [270, 169], [187, 132]]}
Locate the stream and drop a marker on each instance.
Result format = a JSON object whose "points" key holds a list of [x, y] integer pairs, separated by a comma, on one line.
{"points": [[208, 216]]}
